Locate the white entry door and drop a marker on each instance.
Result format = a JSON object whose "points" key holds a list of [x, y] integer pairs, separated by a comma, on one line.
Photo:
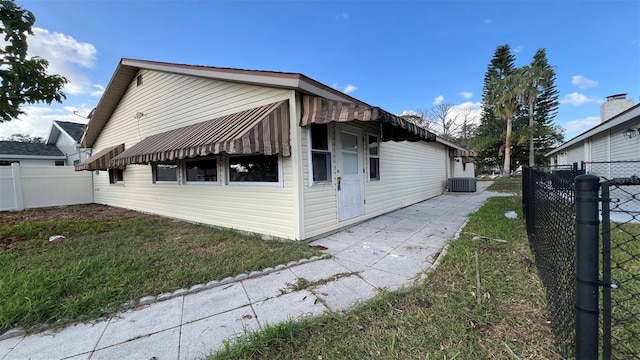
{"points": [[350, 175]]}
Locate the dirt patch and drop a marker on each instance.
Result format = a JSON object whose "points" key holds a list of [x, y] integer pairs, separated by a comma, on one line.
{"points": [[9, 242], [76, 212]]}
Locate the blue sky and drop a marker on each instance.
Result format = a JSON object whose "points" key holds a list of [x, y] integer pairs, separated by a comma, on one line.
{"points": [[399, 55]]}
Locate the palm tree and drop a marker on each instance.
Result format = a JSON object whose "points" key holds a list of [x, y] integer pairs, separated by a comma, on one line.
{"points": [[536, 77], [506, 95]]}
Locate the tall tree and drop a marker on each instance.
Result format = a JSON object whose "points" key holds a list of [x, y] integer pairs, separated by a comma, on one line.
{"points": [[24, 79], [25, 138], [444, 120], [505, 93], [490, 134], [538, 79]]}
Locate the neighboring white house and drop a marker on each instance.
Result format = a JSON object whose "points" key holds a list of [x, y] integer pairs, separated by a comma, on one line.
{"points": [[616, 138], [66, 136], [62, 148], [272, 153]]}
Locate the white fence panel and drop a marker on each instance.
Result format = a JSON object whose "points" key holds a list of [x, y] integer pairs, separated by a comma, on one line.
{"points": [[43, 186]]}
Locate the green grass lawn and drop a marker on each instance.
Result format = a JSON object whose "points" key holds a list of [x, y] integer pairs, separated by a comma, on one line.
{"points": [[443, 317], [113, 256]]}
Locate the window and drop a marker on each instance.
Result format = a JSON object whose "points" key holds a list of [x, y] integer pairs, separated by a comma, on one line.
{"points": [[116, 176], [374, 157], [76, 162], [254, 168], [201, 170], [139, 80], [8, 162], [59, 162], [165, 172], [320, 154]]}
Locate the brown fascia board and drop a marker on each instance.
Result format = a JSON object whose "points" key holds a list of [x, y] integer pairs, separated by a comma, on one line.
{"points": [[128, 68]]}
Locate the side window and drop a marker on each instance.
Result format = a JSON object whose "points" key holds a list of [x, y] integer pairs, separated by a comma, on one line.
{"points": [[374, 157], [59, 163], [254, 168], [320, 154], [165, 172], [201, 170], [116, 176]]}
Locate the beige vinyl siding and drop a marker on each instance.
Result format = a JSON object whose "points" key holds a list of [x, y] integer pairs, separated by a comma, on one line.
{"points": [[600, 147], [171, 101], [410, 172], [320, 201]]}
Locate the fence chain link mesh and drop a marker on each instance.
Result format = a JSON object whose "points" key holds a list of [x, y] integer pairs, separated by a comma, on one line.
{"points": [[549, 208], [621, 257]]}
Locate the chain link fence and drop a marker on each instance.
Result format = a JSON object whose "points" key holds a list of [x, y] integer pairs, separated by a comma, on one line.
{"points": [[621, 257], [549, 208]]}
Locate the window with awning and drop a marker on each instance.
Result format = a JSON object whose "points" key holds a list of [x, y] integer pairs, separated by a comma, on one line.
{"points": [[261, 130], [100, 161], [318, 110]]}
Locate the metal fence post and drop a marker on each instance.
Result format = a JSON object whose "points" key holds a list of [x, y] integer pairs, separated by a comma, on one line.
{"points": [[587, 288]]}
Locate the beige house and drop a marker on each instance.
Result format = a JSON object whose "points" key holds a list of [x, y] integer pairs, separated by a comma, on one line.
{"points": [[272, 153]]}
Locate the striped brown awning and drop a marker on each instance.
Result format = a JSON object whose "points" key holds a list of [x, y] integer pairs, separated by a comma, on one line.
{"points": [[318, 110], [100, 161], [261, 130], [463, 153]]}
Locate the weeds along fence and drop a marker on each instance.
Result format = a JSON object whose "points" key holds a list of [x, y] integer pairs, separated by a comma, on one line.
{"points": [[585, 235]]}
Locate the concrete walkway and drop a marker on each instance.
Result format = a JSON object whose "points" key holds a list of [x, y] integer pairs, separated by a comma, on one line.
{"points": [[387, 252]]}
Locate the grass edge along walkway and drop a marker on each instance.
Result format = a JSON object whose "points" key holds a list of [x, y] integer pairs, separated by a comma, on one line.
{"points": [[443, 317]]}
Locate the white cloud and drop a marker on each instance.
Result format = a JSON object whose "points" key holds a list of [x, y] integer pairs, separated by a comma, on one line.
{"points": [[349, 89], [577, 99], [99, 90], [578, 126], [466, 94], [582, 82], [408, 113], [517, 49], [67, 56], [37, 120], [438, 100]]}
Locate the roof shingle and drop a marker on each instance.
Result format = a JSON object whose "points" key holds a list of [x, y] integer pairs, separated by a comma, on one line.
{"points": [[75, 130], [23, 148]]}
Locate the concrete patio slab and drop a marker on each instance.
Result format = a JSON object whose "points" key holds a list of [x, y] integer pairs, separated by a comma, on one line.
{"points": [[319, 270], [199, 338], [384, 280], [296, 305], [345, 292], [214, 301], [7, 345], [141, 322], [73, 340], [270, 285], [162, 345]]}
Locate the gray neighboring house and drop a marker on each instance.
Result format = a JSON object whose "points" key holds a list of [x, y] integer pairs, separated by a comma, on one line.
{"points": [[30, 154], [615, 139], [62, 148]]}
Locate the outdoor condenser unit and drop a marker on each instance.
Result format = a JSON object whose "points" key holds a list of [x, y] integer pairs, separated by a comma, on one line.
{"points": [[462, 184]]}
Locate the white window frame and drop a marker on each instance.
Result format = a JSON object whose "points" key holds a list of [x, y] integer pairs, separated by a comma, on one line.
{"points": [[310, 152], [369, 157], [228, 181], [154, 171], [183, 172]]}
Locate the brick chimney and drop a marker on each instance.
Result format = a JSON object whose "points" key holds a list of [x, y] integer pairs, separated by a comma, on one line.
{"points": [[614, 105]]}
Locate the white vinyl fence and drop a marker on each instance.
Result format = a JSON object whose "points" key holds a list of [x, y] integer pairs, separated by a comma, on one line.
{"points": [[42, 186]]}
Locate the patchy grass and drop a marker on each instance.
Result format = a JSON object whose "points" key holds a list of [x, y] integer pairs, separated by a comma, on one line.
{"points": [[440, 318], [511, 185], [113, 256]]}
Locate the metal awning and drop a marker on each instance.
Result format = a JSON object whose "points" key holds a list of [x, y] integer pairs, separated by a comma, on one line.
{"points": [[100, 161], [261, 130], [318, 110]]}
